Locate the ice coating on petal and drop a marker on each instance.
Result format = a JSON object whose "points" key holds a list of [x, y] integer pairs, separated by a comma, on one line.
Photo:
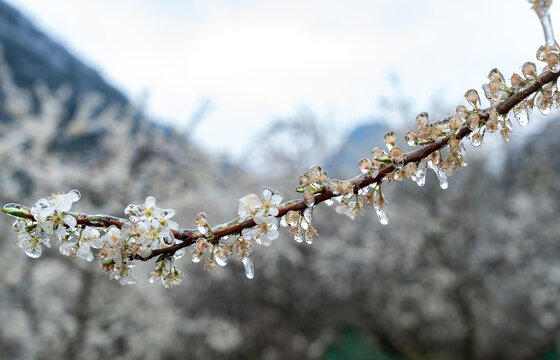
{"points": [[150, 202], [220, 258], [267, 194], [70, 221]]}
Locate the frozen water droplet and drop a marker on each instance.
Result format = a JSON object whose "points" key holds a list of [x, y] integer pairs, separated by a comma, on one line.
{"points": [[196, 258], [382, 216], [329, 202], [249, 267], [13, 206], [203, 229], [74, 195], [34, 252]]}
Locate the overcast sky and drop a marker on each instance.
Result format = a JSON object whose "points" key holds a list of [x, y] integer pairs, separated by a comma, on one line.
{"points": [[257, 60]]}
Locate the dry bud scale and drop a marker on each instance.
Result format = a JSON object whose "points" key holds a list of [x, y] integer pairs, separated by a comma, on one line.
{"points": [[148, 232]]}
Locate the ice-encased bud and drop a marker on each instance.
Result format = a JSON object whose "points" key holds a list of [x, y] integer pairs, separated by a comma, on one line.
{"points": [[422, 119], [476, 139], [365, 165], [202, 223], [410, 137], [472, 97], [529, 70], [516, 81], [495, 74], [309, 198], [473, 121], [390, 138], [397, 157]]}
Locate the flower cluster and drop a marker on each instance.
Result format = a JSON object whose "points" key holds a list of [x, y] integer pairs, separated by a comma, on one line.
{"points": [[148, 228], [310, 182], [299, 224], [50, 221], [263, 212]]}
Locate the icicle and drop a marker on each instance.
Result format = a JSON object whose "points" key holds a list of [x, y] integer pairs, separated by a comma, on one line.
{"points": [[440, 175], [547, 29], [542, 8], [249, 267]]}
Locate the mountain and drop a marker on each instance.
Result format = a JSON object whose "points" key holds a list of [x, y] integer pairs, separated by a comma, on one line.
{"points": [[33, 55]]}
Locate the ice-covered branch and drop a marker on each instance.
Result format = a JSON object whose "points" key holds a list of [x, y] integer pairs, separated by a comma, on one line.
{"points": [[148, 231]]}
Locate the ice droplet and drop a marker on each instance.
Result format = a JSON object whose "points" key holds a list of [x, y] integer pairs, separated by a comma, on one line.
{"points": [[476, 139], [195, 258], [74, 195], [382, 216], [329, 202], [249, 267], [13, 206], [34, 252]]}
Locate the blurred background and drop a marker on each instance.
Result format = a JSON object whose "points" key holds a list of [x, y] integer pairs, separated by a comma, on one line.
{"points": [[200, 103]]}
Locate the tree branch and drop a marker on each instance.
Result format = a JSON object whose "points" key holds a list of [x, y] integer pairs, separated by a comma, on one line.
{"points": [[190, 236]]}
